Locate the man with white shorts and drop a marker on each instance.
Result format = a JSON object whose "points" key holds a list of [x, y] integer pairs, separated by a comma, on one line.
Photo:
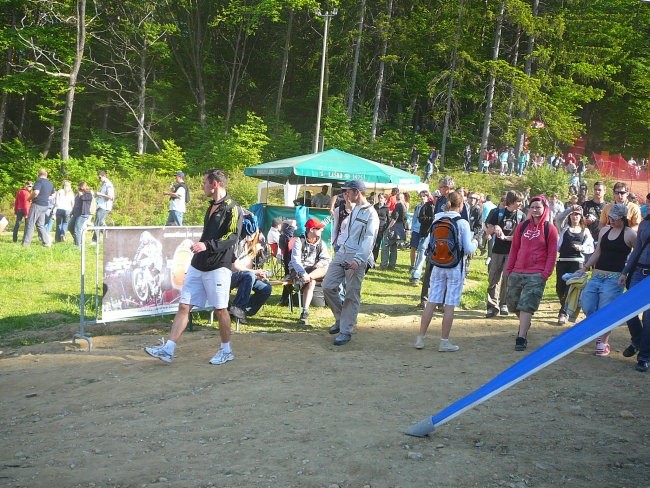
{"points": [[446, 284], [207, 281]]}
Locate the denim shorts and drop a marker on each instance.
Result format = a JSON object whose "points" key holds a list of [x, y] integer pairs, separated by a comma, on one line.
{"points": [[600, 290], [525, 292]]}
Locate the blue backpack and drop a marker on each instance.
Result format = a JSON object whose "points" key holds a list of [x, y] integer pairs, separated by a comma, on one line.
{"points": [[249, 224]]}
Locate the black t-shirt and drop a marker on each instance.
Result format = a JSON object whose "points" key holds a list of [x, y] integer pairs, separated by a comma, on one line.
{"points": [[399, 213], [45, 189], [508, 222], [382, 213], [595, 209]]}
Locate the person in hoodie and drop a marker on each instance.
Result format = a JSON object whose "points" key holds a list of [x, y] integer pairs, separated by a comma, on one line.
{"points": [[530, 264], [446, 284]]}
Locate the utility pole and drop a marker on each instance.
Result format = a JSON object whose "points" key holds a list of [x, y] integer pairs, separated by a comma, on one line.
{"points": [[327, 16]]}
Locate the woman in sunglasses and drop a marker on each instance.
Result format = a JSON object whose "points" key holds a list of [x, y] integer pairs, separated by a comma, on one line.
{"points": [[615, 242]]}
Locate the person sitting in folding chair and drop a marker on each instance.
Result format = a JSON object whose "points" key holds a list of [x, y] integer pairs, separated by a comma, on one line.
{"points": [[251, 282], [285, 244], [309, 262]]}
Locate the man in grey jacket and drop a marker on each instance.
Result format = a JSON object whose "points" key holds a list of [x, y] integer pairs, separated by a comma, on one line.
{"points": [[350, 262]]}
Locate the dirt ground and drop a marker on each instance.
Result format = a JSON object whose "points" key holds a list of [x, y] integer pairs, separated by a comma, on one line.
{"points": [[293, 410]]}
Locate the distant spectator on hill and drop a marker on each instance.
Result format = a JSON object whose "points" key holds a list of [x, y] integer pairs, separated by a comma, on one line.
{"points": [[81, 212], [63, 203], [105, 199], [177, 200], [22, 204], [41, 193]]}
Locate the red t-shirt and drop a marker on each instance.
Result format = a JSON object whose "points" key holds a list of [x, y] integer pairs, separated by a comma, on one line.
{"points": [[22, 201]]}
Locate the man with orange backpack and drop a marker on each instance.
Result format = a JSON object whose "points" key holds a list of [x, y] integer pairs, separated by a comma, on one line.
{"points": [[450, 242]]}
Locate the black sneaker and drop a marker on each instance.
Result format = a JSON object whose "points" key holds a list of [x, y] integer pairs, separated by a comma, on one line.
{"points": [[641, 366], [493, 312], [503, 310], [630, 351], [304, 317], [334, 329], [520, 344]]}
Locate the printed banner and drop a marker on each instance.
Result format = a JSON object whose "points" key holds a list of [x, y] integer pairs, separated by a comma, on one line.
{"points": [[631, 303], [144, 270]]}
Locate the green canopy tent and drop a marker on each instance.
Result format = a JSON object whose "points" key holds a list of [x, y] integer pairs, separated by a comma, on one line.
{"points": [[330, 166]]}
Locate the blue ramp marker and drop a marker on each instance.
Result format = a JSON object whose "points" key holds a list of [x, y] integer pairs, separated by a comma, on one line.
{"points": [[629, 304]]}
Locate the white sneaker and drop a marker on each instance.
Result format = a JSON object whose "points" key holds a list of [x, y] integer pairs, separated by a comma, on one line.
{"points": [[222, 357], [238, 313], [446, 346], [419, 342], [160, 352]]}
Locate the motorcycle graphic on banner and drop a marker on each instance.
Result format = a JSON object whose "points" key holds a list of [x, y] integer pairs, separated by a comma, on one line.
{"points": [[144, 270]]}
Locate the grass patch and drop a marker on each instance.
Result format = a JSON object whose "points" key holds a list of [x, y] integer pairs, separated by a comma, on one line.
{"points": [[41, 289]]}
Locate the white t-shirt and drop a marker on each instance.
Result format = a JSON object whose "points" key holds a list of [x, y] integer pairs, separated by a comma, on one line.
{"points": [[178, 204], [63, 200], [273, 236]]}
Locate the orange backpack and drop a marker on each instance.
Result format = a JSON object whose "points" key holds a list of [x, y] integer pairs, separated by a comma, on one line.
{"points": [[445, 249]]}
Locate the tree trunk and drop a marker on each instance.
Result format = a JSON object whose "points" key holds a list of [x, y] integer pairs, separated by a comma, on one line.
{"points": [[7, 71], [48, 141], [142, 93], [3, 113], [528, 69], [380, 79], [450, 86], [515, 60], [72, 83], [23, 116], [283, 69], [152, 112], [490, 93], [236, 72], [355, 64]]}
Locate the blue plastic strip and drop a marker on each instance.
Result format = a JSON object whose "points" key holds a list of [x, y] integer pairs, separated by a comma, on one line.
{"points": [[629, 304]]}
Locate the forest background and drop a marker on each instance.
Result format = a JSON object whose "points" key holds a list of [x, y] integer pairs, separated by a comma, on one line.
{"points": [[144, 89]]}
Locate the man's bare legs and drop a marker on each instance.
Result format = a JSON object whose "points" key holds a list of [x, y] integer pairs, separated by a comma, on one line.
{"points": [[180, 321], [447, 321], [223, 318]]}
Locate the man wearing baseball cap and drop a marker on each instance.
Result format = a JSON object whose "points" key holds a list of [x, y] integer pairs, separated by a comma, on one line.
{"points": [[177, 200], [309, 262], [349, 264]]}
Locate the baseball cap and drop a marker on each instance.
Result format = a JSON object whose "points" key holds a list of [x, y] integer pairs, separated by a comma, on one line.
{"points": [[355, 185], [314, 224], [617, 211], [179, 173]]}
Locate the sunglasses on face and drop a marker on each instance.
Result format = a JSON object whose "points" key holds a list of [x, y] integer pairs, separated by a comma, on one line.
{"points": [[620, 192]]}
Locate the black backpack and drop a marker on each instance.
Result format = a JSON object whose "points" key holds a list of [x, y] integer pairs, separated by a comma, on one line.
{"points": [[187, 191]]}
